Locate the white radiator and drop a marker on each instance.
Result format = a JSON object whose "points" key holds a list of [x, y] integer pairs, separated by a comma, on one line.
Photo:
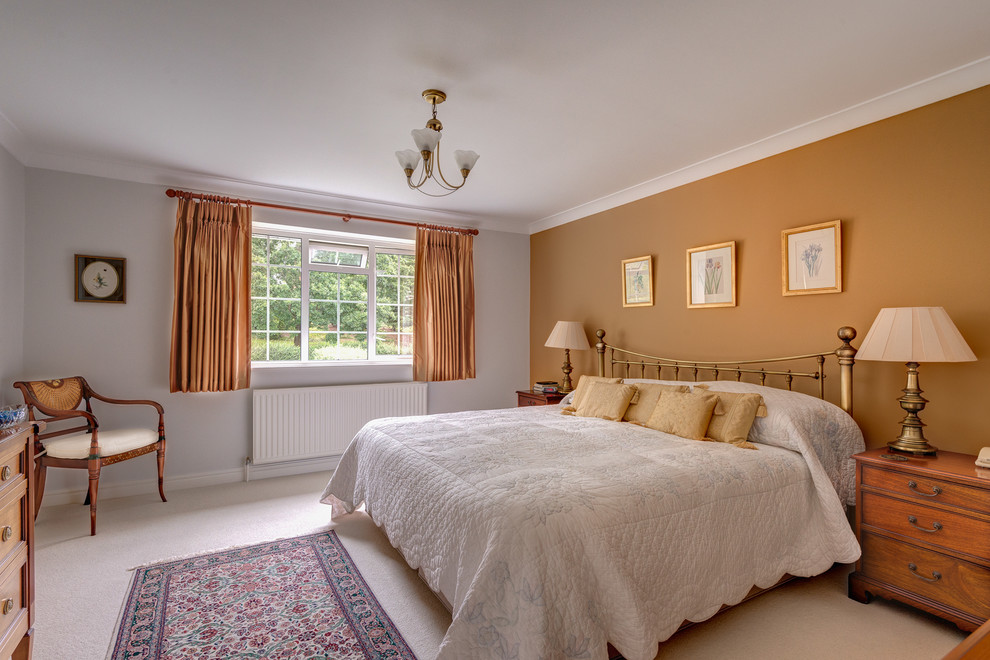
{"points": [[311, 422]]}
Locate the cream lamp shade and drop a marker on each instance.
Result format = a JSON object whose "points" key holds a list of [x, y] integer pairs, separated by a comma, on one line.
{"points": [[912, 335], [568, 335]]}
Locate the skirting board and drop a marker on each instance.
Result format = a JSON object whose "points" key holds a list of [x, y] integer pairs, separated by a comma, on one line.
{"points": [[150, 486]]}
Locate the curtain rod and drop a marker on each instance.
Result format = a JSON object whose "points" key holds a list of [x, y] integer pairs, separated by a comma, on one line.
{"points": [[346, 217]]}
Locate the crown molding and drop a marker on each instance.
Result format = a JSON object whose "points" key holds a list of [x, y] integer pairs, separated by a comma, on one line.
{"points": [[937, 88], [12, 139]]}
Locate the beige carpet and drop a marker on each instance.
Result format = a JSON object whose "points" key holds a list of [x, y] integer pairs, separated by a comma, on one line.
{"points": [[81, 580]]}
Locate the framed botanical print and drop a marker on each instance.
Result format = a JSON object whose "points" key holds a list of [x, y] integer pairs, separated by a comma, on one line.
{"points": [[637, 282], [99, 279], [812, 259], [711, 275]]}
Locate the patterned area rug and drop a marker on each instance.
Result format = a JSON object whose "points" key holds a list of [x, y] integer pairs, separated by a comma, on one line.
{"points": [[295, 598]]}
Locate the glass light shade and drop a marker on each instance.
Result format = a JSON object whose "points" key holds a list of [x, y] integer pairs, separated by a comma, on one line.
{"points": [[408, 158], [426, 139], [568, 334], [465, 159], [914, 334]]}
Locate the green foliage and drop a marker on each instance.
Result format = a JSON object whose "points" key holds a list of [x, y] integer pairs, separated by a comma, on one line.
{"points": [[386, 264], [354, 317], [259, 249], [387, 289], [280, 347], [322, 315], [386, 318], [284, 251], [406, 289], [285, 282], [285, 315], [353, 287], [322, 286], [259, 281], [259, 314]]}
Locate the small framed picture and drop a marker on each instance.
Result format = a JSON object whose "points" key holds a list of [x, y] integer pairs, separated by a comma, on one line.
{"points": [[637, 282], [711, 275], [100, 279], [812, 259]]}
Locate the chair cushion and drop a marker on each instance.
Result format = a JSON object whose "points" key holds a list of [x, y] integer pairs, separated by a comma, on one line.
{"points": [[112, 442]]}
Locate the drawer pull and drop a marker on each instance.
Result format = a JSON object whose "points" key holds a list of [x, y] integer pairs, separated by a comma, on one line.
{"points": [[936, 576], [8, 605], [935, 490], [5, 473], [914, 523]]}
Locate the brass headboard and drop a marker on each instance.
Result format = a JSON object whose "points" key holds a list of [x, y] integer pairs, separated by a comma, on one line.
{"points": [[648, 365]]}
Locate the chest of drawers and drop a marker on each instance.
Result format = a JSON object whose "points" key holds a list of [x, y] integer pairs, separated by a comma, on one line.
{"points": [[16, 541], [924, 526]]}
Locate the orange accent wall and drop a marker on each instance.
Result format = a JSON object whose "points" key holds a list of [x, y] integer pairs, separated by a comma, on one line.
{"points": [[913, 194]]}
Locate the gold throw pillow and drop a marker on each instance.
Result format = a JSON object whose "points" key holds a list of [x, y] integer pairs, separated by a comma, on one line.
{"points": [[734, 416], [641, 408], [606, 400], [686, 415], [583, 383]]}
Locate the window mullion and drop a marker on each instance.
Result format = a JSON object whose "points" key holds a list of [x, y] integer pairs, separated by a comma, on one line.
{"points": [[304, 301], [372, 303]]}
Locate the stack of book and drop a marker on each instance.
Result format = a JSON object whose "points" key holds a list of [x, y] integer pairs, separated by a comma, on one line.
{"points": [[546, 386]]}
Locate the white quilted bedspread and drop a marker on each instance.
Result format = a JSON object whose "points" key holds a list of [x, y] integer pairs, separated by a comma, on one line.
{"points": [[550, 535]]}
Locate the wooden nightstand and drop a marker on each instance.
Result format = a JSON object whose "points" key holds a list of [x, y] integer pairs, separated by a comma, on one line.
{"points": [[924, 526], [531, 398]]}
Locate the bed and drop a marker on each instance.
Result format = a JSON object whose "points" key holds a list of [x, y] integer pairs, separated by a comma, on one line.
{"points": [[552, 536]]}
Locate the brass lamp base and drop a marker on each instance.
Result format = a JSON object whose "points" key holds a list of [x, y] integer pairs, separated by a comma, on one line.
{"points": [[565, 384], [912, 437]]}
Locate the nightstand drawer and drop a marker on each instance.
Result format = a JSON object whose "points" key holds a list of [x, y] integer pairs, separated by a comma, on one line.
{"points": [[956, 583], [925, 489], [530, 398], [928, 524], [11, 470]]}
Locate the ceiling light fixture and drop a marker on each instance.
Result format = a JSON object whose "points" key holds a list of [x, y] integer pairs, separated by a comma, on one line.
{"points": [[428, 142]]}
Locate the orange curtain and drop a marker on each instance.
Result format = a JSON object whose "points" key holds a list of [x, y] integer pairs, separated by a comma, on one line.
{"points": [[443, 307], [211, 312]]}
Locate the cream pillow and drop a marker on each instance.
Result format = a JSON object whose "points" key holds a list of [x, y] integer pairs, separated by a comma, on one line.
{"points": [[734, 416], [640, 408], [606, 400], [583, 383], [686, 415]]}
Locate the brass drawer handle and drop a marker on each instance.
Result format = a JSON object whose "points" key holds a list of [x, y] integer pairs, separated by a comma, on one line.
{"points": [[7, 533], [5, 473], [935, 490], [8, 605], [914, 523], [936, 576]]}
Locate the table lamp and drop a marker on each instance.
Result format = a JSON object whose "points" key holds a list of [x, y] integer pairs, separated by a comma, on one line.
{"points": [[568, 335], [913, 335]]}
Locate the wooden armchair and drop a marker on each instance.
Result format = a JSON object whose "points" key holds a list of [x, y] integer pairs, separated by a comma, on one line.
{"points": [[86, 446]]}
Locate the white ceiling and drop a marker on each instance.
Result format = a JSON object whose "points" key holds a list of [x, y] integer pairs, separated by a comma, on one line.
{"points": [[574, 105]]}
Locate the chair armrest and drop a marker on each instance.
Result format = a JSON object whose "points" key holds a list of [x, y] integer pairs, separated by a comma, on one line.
{"points": [[154, 404], [65, 415]]}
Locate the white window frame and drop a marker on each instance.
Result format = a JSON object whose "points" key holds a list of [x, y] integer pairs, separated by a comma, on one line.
{"points": [[374, 245]]}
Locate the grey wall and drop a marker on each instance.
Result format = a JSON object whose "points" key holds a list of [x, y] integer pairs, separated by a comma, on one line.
{"points": [[12, 219], [123, 350]]}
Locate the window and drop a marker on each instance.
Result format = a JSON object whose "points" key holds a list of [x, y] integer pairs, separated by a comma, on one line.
{"points": [[352, 294]]}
